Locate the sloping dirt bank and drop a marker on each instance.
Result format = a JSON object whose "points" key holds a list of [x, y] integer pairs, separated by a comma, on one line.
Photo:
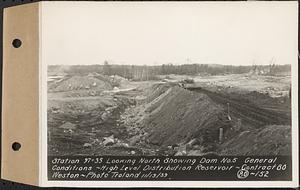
{"points": [[80, 83], [164, 119], [251, 113], [271, 140], [177, 121], [178, 115], [172, 116]]}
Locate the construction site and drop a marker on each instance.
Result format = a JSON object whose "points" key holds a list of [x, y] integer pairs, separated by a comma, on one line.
{"points": [[178, 115]]}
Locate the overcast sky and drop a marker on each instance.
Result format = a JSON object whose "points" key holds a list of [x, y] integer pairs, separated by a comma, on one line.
{"points": [[240, 33]]}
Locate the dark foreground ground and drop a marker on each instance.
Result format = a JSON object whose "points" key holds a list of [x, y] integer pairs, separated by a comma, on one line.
{"points": [[164, 118]]}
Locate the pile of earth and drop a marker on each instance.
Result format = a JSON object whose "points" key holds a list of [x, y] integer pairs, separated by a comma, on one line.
{"points": [[57, 70], [155, 90], [269, 140], [172, 115], [97, 83], [176, 121], [179, 115]]}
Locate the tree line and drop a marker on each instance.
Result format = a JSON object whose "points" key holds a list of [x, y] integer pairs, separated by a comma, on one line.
{"points": [[145, 72]]}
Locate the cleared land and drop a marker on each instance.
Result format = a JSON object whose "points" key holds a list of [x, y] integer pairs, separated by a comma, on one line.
{"points": [[226, 115]]}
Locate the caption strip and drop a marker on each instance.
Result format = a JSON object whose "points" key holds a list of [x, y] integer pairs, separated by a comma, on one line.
{"points": [[251, 168]]}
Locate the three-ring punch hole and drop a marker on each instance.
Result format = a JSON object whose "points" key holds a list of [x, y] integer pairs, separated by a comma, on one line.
{"points": [[17, 43], [16, 146]]}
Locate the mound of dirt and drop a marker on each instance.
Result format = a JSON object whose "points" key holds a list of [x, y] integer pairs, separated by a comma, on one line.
{"points": [[81, 83], [270, 140], [173, 115], [57, 70], [155, 90]]}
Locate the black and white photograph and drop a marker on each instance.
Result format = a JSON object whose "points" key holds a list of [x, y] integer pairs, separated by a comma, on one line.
{"points": [[169, 91], [142, 94], [183, 81]]}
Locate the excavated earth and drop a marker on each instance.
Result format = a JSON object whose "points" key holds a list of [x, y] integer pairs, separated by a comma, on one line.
{"points": [[163, 119]]}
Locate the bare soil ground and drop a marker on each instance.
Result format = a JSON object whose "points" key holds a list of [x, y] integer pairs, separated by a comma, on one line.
{"points": [[100, 115], [271, 140]]}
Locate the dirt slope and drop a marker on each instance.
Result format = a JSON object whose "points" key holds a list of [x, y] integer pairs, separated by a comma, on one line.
{"points": [[80, 83], [251, 114], [270, 140], [173, 115]]}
